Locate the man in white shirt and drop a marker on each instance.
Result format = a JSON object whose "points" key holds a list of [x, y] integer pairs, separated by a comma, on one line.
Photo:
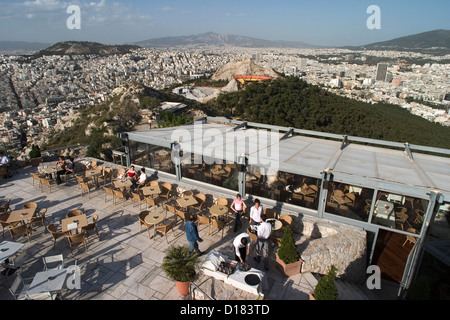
{"points": [[255, 213], [241, 247], [262, 244], [141, 182]]}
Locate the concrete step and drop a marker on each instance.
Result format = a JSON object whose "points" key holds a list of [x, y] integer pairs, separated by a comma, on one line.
{"points": [[350, 291]]}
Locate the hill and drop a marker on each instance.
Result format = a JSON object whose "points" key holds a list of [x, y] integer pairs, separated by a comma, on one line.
{"points": [[292, 102], [434, 42], [22, 45], [221, 40], [85, 48]]}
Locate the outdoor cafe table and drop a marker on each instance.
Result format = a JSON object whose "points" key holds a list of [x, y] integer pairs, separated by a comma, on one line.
{"points": [[151, 190], [306, 190], [218, 210], [186, 201], [123, 184], [276, 224], [20, 215], [49, 169], [74, 223], [154, 219], [8, 249], [47, 281], [342, 199], [94, 174], [384, 213]]}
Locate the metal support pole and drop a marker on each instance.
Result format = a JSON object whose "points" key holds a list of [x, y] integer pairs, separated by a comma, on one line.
{"points": [[242, 166]]}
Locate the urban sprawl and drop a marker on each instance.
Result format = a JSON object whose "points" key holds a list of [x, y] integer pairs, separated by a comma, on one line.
{"points": [[36, 94]]}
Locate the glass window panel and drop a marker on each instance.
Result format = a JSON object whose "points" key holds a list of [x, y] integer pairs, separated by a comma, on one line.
{"points": [[219, 173], [399, 211], [283, 186], [349, 201]]}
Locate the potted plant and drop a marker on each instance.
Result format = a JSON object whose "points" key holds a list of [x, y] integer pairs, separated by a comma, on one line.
{"points": [[287, 256], [179, 264], [326, 287]]}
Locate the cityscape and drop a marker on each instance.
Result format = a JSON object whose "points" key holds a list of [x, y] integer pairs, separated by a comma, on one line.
{"points": [[37, 94], [322, 125]]}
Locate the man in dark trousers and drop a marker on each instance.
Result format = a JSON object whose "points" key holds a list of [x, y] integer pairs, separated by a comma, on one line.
{"points": [[262, 244], [192, 234]]}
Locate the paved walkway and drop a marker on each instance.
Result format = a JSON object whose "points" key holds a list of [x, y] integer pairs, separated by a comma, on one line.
{"points": [[125, 264]]}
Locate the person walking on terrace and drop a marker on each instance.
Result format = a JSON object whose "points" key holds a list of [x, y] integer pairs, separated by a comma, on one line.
{"points": [[192, 234]]}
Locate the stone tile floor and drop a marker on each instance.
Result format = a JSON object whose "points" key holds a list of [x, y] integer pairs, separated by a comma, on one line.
{"points": [[125, 264]]}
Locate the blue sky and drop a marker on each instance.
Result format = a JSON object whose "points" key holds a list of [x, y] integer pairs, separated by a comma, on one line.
{"points": [[321, 22]]}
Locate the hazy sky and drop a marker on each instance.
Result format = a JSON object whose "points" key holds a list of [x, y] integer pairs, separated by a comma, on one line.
{"points": [[321, 22]]}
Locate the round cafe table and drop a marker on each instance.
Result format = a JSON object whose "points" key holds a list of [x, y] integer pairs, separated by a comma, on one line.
{"points": [[154, 219], [218, 210], [276, 224]]}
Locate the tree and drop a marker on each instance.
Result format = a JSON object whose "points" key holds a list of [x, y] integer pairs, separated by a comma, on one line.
{"points": [[326, 286]]}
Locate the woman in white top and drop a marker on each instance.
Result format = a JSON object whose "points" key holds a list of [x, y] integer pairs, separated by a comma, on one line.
{"points": [[255, 213]]}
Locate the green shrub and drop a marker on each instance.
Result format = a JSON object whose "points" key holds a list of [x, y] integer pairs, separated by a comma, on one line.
{"points": [[35, 152], [179, 263], [326, 286], [288, 250]]}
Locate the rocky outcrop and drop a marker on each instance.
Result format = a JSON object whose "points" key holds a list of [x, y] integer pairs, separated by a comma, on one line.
{"points": [[325, 244], [241, 68]]}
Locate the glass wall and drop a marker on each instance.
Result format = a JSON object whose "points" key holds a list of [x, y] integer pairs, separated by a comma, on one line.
{"points": [[440, 225], [399, 212], [349, 201], [283, 186], [151, 156], [211, 171]]}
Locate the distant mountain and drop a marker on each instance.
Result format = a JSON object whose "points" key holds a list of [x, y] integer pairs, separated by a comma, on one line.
{"points": [[221, 40], [436, 41], [22, 45], [85, 48]]}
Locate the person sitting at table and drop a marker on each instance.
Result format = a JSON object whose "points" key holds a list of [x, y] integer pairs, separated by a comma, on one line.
{"points": [[256, 212], [70, 168], [131, 173], [61, 163], [4, 160], [238, 207], [141, 182], [241, 247]]}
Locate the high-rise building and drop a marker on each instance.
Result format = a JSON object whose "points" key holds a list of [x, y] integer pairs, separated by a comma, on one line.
{"points": [[381, 72]]}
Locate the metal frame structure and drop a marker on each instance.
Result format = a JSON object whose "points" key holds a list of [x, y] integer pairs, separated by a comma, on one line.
{"points": [[369, 163]]}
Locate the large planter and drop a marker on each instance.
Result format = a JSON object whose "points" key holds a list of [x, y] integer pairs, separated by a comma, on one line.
{"points": [[35, 161], [183, 287], [289, 269]]}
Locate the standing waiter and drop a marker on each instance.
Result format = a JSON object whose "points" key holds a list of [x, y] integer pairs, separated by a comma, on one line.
{"points": [[262, 244]]}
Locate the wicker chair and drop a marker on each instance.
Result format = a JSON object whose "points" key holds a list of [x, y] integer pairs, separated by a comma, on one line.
{"points": [[165, 228], [139, 198], [74, 213], [142, 222], [92, 226], [77, 238], [39, 217], [53, 229]]}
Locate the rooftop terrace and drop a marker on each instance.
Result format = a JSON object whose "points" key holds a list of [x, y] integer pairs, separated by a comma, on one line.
{"points": [[124, 264]]}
